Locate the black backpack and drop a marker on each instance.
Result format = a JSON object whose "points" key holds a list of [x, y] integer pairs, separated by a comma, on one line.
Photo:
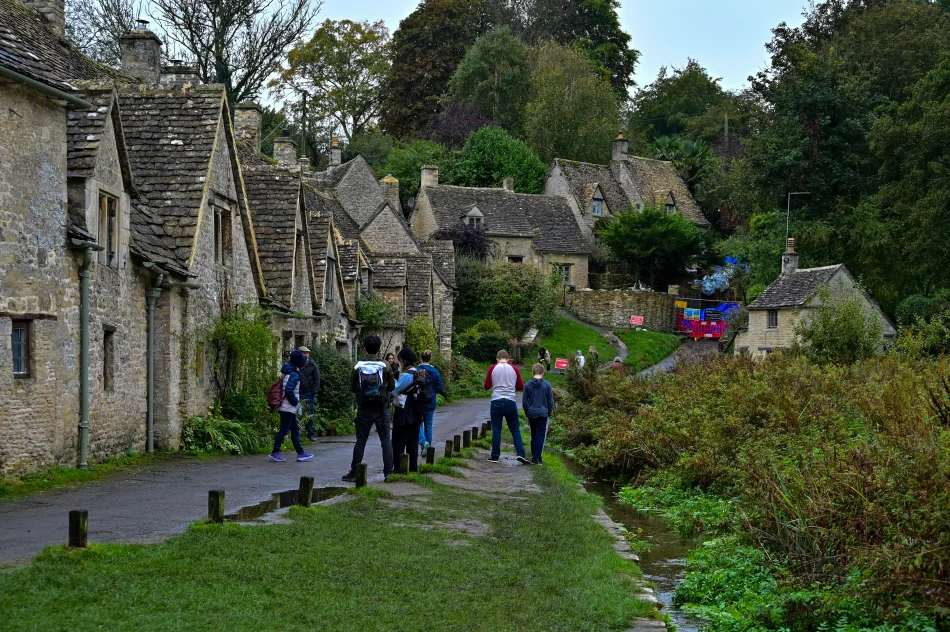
{"points": [[371, 386], [419, 395]]}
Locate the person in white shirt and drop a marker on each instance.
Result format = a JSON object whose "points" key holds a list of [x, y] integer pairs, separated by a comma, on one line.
{"points": [[504, 381]]}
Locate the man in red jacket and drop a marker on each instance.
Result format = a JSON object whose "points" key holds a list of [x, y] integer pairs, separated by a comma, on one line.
{"points": [[504, 380]]}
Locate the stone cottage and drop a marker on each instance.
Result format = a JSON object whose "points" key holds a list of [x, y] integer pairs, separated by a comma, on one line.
{"points": [[597, 192], [792, 299], [533, 229]]}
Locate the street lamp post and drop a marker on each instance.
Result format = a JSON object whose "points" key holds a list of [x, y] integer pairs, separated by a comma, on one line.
{"points": [[788, 210]]}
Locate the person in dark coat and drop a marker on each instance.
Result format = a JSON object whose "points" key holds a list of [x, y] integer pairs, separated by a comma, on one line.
{"points": [[288, 409], [309, 387], [538, 404]]}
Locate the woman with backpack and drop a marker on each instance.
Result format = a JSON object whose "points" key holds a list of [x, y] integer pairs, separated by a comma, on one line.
{"points": [[290, 390], [411, 398]]}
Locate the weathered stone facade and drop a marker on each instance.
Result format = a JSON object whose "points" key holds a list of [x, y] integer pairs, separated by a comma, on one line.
{"points": [[613, 308]]}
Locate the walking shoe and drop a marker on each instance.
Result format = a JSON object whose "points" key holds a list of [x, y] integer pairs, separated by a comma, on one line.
{"points": [[523, 460], [306, 456], [277, 457], [493, 459], [349, 477]]}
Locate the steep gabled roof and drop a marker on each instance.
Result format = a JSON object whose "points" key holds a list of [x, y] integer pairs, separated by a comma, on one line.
{"points": [[325, 203], [656, 180], [320, 229], [584, 177], [274, 195], [30, 47], [794, 289], [546, 219], [170, 136], [148, 238], [389, 271]]}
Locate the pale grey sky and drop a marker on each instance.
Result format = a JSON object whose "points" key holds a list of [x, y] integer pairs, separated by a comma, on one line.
{"points": [[726, 36]]}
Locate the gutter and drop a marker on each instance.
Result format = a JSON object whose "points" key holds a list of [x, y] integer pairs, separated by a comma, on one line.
{"points": [[88, 247], [73, 100]]}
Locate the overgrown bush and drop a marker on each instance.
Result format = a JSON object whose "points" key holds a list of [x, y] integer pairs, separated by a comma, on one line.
{"points": [[336, 402], [212, 432], [841, 330], [243, 350], [421, 335], [376, 313], [463, 379], [921, 308], [840, 474], [485, 347]]}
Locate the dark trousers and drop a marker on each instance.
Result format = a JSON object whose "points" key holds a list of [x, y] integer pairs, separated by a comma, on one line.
{"points": [[405, 440], [366, 418], [307, 404], [505, 409], [539, 430], [288, 423]]}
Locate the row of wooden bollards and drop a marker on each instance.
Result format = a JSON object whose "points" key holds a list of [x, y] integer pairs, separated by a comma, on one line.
{"points": [[79, 519]]}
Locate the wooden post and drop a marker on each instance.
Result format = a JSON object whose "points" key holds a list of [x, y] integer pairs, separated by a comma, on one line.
{"points": [[457, 443], [430, 455], [448, 449], [466, 438], [486, 429], [474, 433], [78, 528], [403, 463], [305, 491], [361, 475], [216, 505]]}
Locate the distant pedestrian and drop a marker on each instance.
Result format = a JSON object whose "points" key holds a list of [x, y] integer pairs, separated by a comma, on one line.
{"points": [[288, 409], [438, 388], [393, 365], [579, 359], [617, 365], [538, 404], [544, 357], [372, 381], [504, 380], [411, 398], [547, 359], [309, 387], [594, 355]]}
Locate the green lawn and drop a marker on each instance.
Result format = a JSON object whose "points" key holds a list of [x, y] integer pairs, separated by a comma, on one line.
{"points": [[568, 338], [366, 564], [646, 348]]}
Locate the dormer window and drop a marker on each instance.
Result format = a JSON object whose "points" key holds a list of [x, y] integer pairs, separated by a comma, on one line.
{"points": [[109, 228], [475, 219], [670, 204], [597, 207]]}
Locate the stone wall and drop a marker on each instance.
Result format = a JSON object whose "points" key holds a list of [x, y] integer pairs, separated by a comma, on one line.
{"points": [[613, 308], [388, 233]]}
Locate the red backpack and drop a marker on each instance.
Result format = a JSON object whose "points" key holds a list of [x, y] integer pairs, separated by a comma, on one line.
{"points": [[275, 394]]}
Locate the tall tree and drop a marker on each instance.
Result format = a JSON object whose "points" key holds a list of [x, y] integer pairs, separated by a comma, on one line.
{"points": [[338, 74], [495, 77], [573, 112], [491, 155], [95, 26], [238, 43], [427, 48]]}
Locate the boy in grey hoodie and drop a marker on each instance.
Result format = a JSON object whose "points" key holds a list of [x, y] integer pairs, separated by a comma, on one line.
{"points": [[538, 404]]}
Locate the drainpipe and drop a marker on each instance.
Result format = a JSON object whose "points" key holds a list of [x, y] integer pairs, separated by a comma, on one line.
{"points": [[88, 247], [152, 293]]}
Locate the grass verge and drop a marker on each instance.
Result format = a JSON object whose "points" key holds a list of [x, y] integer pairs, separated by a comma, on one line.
{"points": [[543, 564], [570, 337], [646, 348]]}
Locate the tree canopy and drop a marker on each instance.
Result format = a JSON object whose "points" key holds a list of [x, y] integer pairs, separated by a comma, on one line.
{"points": [[491, 155]]}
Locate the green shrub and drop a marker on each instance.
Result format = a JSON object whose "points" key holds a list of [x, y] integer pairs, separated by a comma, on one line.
{"points": [[486, 327], [485, 347], [213, 432], [244, 351], [421, 335], [376, 313], [517, 296], [839, 331], [463, 379], [336, 402]]}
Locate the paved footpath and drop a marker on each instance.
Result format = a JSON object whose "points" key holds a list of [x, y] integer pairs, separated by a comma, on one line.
{"points": [[160, 500]]}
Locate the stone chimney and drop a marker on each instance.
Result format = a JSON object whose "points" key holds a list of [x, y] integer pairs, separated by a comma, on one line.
{"points": [[620, 147], [53, 10], [304, 164], [247, 124], [390, 188], [509, 184], [430, 177], [790, 258], [142, 54], [285, 151], [178, 75], [336, 154]]}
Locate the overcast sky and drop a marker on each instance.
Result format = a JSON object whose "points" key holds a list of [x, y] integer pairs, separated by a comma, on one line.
{"points": [[726, 36]]}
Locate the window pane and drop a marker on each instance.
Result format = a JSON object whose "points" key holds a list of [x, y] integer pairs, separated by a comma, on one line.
{"points": [[19, 357]]}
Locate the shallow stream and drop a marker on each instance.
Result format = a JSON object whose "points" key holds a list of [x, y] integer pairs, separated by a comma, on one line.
{"points": [[665, 563]]}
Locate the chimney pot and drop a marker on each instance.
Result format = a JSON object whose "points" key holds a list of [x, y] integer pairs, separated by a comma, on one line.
{"points": [[620, 146], [304, 163], [142, 54], [509, 184], [430, 177], [285, 151], [247, 124], [790, 258], [336, 154], [390, 188]]}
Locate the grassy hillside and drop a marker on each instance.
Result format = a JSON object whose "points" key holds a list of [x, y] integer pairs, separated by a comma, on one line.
{"points": [[646, 348]]}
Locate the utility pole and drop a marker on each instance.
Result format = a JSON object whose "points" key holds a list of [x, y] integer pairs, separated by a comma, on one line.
{"points": [[788, 210]]}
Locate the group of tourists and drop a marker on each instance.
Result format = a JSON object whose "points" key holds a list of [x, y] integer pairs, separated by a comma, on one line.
{"points": [[579, 360], [398, 397]]}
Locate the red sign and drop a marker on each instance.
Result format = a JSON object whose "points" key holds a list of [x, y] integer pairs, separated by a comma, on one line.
{"points": [[561, 363], [636, 320]]}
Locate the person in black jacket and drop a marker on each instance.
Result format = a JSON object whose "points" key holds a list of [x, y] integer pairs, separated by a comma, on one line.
{"points": [[538, 403], [309, 387]]}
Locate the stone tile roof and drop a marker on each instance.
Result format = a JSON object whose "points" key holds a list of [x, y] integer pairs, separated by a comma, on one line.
{"points": [[349, 253], [319, 229], [795, 289], [170, 137], [548, 220], [389, 271], [443, 259], [148, 238], [325, 203], [582, 178], [30, 47], [331, 178], [656, 179], [273, 194], [84, 130]]}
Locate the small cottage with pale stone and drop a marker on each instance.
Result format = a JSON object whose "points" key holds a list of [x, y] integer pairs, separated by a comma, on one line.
{"points": [[792, 298]]}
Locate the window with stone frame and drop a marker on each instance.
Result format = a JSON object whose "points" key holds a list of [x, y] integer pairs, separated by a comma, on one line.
{"points": [[772, 317], [108, 359], [328, 282], [515, 259], [475, 218], [222, 235], [563, 272], [20, 344], [109, 228], [299, 341], [670, 208], [597, 207]]}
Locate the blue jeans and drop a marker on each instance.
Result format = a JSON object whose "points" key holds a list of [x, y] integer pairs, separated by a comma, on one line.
{"points": [[425, 430], [505, 409], [539, 430]]}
